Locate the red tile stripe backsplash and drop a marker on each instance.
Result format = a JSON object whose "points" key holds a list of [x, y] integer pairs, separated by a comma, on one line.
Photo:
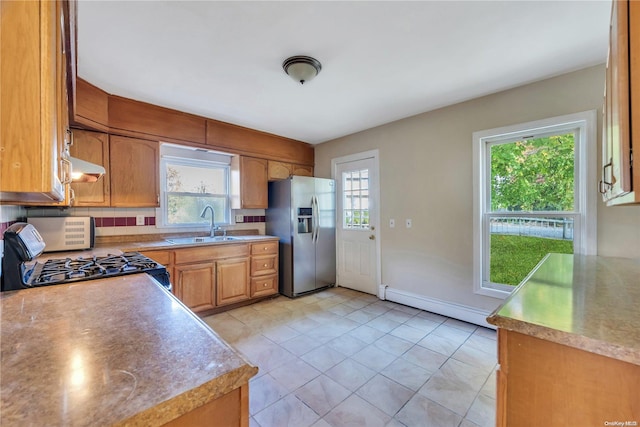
{"points": [[129, 221], [4, 226], [122, 221]]}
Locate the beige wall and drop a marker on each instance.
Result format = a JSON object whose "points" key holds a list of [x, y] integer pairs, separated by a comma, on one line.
{"points": [[426, 175]]}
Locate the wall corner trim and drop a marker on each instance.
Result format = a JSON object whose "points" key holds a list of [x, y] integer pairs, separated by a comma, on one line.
{"points": [[444, 308]]}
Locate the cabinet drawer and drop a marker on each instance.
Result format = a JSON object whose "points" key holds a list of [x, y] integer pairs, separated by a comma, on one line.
{"points": [[262, 286], [264, 265], [265, 248], [161, 257], [208, 253]]}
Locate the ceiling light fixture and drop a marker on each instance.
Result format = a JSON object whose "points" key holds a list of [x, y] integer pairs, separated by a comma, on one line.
{"points": [[302, 68]]}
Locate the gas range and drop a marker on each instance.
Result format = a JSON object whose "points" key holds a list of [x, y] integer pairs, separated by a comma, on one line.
{"points": [[67, 270], [20, 268]]}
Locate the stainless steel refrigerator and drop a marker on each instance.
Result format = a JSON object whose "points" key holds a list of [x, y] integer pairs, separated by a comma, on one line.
{"points": [[302, 213]]}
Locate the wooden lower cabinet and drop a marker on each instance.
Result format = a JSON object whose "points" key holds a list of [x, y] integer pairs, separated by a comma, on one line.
{"points": [[196, 285], [229, 410], [206, 278], [543, 383], [233, 281], [264, 269], [264, 285]]}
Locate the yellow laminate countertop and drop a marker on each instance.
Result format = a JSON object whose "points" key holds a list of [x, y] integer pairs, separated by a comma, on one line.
{"points": [[586, 302], [117, 351]]}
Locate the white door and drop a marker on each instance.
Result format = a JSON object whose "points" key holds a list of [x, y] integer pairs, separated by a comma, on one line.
{"points": [[357, 223]]}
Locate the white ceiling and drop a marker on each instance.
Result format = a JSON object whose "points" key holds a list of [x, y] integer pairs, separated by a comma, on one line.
{"points": [[381, 61]]}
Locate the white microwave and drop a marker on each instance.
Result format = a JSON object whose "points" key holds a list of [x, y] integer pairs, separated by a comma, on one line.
{"points": [[65, 233]]}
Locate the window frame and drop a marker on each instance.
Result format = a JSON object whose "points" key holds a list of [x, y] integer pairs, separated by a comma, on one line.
{"points": [[189, 161], [585, 183]]}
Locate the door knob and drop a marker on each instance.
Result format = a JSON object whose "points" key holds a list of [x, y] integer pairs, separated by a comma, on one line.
{"points": [[372, 237]]}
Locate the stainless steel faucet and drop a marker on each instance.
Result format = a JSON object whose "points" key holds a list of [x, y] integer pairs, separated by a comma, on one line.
{"points": [[212, 230]]}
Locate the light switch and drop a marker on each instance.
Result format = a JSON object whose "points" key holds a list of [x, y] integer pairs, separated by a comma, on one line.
{"points": [[408, 223], [139, 219], [392, 223]]}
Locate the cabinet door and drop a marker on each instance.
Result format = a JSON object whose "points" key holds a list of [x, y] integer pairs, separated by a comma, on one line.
{"points": [[616, 135], [92, 147], [195, 285], [134, 172], [253, 182], [301, 170], [278, 170], [62, 110], [29, 109], [232, 277]]}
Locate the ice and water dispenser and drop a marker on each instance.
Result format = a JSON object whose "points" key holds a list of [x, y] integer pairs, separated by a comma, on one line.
{"points": [[305, 220]]}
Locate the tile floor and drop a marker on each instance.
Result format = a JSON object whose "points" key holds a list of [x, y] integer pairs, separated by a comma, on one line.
{"points": [[344, 358]]}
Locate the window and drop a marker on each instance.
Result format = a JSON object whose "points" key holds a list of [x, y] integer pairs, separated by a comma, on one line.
{"points": [[355, 212], [534, 194], [190, 180]]}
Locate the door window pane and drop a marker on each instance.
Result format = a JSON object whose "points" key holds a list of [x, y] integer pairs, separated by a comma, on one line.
{"points": [[355, 197]]}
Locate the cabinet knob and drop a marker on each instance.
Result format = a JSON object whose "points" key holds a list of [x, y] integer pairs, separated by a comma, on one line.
{"points": [[266, 265], [265, 248], [265, 285]]}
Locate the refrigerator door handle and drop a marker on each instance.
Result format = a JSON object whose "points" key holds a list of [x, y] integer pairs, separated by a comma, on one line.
{"points": [[316, 225], [313, 219]]}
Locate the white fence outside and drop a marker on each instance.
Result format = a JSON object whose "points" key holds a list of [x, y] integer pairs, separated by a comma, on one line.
{"points": [[550, 228]]}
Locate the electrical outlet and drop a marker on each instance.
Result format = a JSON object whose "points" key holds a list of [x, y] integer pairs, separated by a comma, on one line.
{"points": [[239, 218], [408, 223], [392, 223], [139, 219]]}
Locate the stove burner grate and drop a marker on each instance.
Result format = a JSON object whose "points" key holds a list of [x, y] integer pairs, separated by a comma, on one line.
{"points": [[55, 271]]}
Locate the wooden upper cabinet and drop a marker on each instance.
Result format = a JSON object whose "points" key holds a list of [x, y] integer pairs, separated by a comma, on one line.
{"points": [[282, 170], [241, 140], [31, 84], [134, 172], [301, 170], [135, 118], [91, 107], [620, 182], [279, 170], [92, 147], [249, 183]]}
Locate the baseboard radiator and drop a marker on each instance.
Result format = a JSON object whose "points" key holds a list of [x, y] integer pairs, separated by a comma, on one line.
{"points": [[444, 308]]}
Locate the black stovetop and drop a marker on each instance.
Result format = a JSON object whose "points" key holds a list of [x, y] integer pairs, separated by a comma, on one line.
{"points": [[65, 270]]}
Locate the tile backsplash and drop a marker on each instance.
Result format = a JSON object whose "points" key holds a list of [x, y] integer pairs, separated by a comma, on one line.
{"points": [[8, 215], [122, 221]]}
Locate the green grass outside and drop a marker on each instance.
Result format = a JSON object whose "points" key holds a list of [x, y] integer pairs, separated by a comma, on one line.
{"points": [[513, 257]]}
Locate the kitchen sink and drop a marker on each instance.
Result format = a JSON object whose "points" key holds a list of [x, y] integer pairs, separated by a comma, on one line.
{"points": [[206, 239]]}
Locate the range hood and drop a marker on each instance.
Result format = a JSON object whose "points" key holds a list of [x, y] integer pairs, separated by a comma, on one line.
{"points": [[83, 171]]}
